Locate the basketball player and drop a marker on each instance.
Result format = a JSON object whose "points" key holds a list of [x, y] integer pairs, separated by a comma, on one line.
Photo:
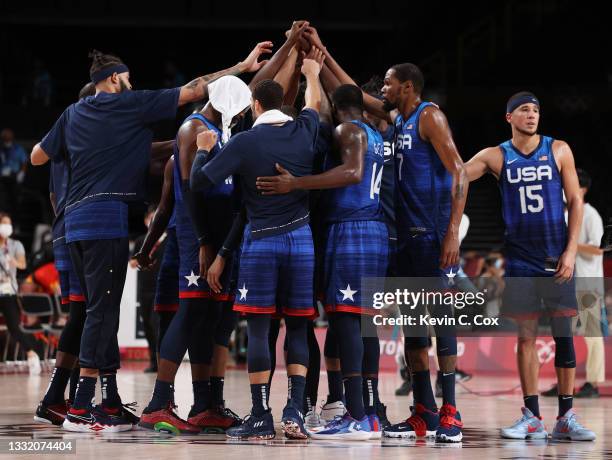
{"points": [[356, 248], [534, 171], [116, 122], [431, 193], [277, 254]]}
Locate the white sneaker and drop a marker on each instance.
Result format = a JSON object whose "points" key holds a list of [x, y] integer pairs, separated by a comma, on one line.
{"points": [[34, 364], [332, 410], [313, 420]]}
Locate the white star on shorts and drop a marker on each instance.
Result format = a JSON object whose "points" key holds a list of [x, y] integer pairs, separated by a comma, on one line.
{"points": [[243, 292], [192, 279], [347, 293]]}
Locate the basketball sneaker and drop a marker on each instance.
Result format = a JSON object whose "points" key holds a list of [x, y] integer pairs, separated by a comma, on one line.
{"points": [[332, 410], [527, 427], [96, 420], [313, 420], [166, 421], [53, 414], [345, 428], [422, 423], [450, 426], [375, 428], [126, 412], [292, 423], [253, 428], [215, 420], [567, 427], [381, 412]]}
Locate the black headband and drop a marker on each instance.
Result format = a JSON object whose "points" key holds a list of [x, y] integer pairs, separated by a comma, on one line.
{"points": [[103, 74], [520, 100]]}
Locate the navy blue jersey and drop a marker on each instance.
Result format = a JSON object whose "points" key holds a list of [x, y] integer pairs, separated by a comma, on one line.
{"points": [[423, 183], [358, 201], [255, 153], [108, 138], [216, 202], [387, 190], [532, 204]]}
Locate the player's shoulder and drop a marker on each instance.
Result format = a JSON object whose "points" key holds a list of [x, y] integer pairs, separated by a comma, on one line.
{"points": [[348, 129], [560, 146]]}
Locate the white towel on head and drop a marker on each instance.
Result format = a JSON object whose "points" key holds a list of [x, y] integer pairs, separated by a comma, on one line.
{"points": [[272, 117], [229, 96]]}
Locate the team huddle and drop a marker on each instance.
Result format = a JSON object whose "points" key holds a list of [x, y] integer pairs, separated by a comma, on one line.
{"points": [[272, 202]]}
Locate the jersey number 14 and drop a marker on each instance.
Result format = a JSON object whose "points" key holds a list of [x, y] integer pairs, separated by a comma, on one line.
{"points": [[531, 200], [375, 181]]}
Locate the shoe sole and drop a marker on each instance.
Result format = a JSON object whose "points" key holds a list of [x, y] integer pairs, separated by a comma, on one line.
{"points": [[565, 436], [46, 421], [261, 437], [443, 438], [355, 436], [292, 430], [96, 428], [376, 435], [167, 428], [538, 435], [408, 434]]}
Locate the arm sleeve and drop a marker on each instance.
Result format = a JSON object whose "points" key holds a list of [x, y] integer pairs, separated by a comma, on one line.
{"points": [[232, 241], [224, 163], [54, 142], [157, 105], [193, 201], [309, 121]]}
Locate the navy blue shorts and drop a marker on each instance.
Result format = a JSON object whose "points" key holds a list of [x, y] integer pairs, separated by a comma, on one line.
{"points": [[276, 274], [418, 255], [530, 293], [167, 289], [69, 281], [353, 250]]}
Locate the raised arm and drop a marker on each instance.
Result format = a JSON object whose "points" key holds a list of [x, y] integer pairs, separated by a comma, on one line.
{"points": [[352, 143], [197, 89], [160, 220], [311, 68], [277, 62], [434, 128], [575, 207]]}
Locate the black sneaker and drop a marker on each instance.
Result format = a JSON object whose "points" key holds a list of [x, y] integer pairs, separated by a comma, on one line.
{"points": [[381, 412], [404, 389], [553, 391], [439, 393], [95, 419], [53, 414], [587, 391], [254, 427], [462, 376]]}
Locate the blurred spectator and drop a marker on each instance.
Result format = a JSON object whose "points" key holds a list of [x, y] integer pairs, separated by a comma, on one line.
{"points": [[39, 91], [173, 77], [13, 160], [12, 257]]}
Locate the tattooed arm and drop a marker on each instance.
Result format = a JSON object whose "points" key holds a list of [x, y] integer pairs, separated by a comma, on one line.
{"points": [[197, 89]]}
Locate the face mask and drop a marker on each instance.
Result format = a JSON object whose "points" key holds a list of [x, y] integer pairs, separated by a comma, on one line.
{"points": [[498, 263], [6, 230]]}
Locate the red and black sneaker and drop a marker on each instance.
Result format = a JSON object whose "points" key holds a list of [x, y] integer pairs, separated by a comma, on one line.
{"points": [[127, 412], [53, 414], [215, 420], [166, 421], [95, 420]]}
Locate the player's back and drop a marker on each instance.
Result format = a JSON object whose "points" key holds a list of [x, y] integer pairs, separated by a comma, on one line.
{"points": [[423, 183], [291, 145], [532, 205], [359, 201]]}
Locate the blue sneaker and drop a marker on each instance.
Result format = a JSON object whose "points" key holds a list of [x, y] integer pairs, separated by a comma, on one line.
{"points": [[345, 428], [292, 423], [567, 427], [422, 423], [375, 428], [95, 420], [254, 427], [527, 427], [450, 425]]}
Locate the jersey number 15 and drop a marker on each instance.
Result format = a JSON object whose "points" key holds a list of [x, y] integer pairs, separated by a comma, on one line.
{"points": [[531, 200]]}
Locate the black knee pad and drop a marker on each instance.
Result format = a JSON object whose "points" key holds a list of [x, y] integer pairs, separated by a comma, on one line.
{"points": [[165, 318], [297, 340], [202, 342], [565, 354], [330, 348], [347, 326], [371, 355], [258, 349], [446, 346], [70, 339], [416, 343]]}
